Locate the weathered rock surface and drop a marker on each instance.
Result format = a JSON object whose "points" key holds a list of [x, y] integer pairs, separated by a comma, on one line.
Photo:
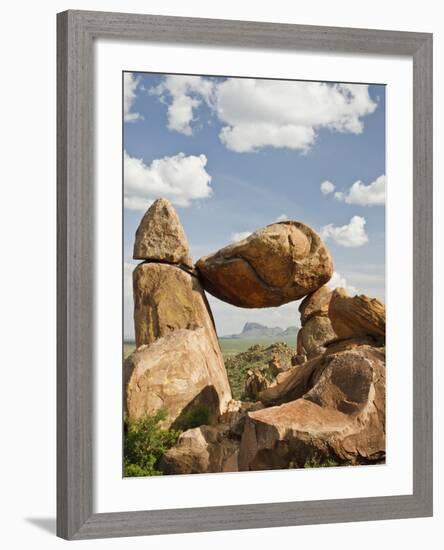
{"points": [[160, 236], [182, 372], [356, 316], [167, 298], [206, 449], [314, 335], [315, 303], [337, 410], [275, 265]]}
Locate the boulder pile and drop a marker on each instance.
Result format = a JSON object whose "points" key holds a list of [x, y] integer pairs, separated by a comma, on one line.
{"points": [[327, 403]]}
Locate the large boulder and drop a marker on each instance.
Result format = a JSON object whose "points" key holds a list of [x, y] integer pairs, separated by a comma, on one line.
{"points": [[357, 316], [275, 265], [182, 373], [314, 335], [160, 236], [337, 412], [205, 449]]}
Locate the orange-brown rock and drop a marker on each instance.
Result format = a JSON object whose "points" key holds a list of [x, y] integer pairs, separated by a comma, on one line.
{"points": [[206, 449], [160, 236], [337, 410], [181, 372], [357, 316], [314, 335], [315, 303], [274, 265], [167, 298]]}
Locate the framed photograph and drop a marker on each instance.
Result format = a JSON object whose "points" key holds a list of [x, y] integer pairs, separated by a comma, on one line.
{"points": [[244, 275]]}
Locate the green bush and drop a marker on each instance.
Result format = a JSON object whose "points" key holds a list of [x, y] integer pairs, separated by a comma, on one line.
{"points": [[325, 463], [144, 444], [197, 416]]}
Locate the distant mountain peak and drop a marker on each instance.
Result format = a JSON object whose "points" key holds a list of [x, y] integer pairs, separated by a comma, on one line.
{"points": [[256, 330]]}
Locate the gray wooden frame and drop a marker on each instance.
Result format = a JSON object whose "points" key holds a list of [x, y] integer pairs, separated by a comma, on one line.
{"points": [[76, 32]]}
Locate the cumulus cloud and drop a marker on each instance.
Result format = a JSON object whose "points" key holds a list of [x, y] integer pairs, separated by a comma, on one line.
{"points": [[130, 85], [351, 235], [180, 178], [240, 236], [185, 94], [260, 113], [327, 187], [266, 113], [338, 280], [365, 195]]}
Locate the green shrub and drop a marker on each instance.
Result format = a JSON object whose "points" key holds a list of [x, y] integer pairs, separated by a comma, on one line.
{"points": [[144, 444], [197, 416], [325, 463]]}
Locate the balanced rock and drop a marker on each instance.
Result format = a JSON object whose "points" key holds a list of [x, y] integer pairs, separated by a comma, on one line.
{"points": [[182, 373], [314, 335], [206, 449], [277, 264], [358, 316], [339, 415], [160, 236]]}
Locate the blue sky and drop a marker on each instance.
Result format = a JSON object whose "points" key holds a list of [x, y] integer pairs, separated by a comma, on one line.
{"points": [[234, 155]]}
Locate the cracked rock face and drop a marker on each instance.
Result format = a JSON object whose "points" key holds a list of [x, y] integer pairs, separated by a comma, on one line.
{"points": [[357, 316], [277, 264], [332, 407], [160, 236], [181, 372]]}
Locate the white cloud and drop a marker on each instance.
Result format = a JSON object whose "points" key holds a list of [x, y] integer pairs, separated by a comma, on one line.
{"points": [[338, 281], [130, 85], [261, 113], [365, 195], [327, 187], [180, 178], [351, 235], [281, 218], [240, 236], [339, 195], [186, 93]]}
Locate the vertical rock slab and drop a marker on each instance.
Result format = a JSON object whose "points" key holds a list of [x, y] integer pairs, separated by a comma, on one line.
{"points": [[167, 300]]}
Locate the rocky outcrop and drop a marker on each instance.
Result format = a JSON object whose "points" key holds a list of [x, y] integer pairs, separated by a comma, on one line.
{"points": [[336, 410], [178, 364], [205, 449], [275, 265], [180, 372], [160, 236], [358, 316]]}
